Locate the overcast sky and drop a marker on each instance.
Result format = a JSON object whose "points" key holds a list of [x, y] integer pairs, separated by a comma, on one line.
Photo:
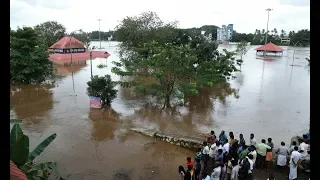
{"points": [[246, 15]]}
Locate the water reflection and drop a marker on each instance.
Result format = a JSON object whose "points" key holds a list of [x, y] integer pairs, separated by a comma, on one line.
{"points": [[62, 70], [32, 102], [104, 122]]}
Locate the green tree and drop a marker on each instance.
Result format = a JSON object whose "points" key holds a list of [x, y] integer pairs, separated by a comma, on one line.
{"points": [[29, 61], [301, 38], [102, 87], [50, 32], [282, 33], [242, 49], [83, 37], [20, 155], [175, 71]]}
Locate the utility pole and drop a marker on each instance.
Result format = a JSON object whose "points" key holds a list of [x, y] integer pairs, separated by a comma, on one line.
{"points": [[264, 53], [99, 32]]}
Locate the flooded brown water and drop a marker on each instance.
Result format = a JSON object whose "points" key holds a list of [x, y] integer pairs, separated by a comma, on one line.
{"points": [[268, 98]]}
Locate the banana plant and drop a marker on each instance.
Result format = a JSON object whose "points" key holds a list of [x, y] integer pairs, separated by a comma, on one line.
{"points": [[20, 155]]}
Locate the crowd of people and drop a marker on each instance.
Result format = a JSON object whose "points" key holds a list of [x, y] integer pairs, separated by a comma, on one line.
{"points": [[224, 157]]}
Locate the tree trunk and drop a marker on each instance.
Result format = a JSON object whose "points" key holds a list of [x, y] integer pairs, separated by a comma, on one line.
{"points": [[167, 102]]}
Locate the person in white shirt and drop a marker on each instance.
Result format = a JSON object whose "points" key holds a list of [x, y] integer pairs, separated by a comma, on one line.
{"points": [[253, 151], [250, 159], [218, 146], [215, 175], [212, 150], [293, 164], [226, 146], [253, 141], [235, 170], [304, 148], [205, 153]]}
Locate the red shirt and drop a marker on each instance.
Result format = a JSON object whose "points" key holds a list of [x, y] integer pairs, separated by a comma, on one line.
{"points": [[190, 163]]}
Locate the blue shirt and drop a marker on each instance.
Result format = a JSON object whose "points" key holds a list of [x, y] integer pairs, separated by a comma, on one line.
{"points": [[218, 157], [222, 138], [239, 150]]}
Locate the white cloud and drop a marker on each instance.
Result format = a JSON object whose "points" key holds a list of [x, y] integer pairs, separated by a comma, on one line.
{"points": [[246, 15]]}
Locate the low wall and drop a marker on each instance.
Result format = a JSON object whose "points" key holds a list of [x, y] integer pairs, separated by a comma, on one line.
{"points": [[191, 143]]}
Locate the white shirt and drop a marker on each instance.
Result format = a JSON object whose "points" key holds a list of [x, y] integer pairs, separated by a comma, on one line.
{"points": [[215, 175], [303, 146], [254, 154], [212, 150], [253, 142], [251, 165], [234, 172], [295, 155], [217, 148], [205, 150], [207, 178], [226, 147]]}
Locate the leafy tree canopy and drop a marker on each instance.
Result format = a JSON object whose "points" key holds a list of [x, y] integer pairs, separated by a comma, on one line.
{"points": [[82, 36], [29, 61], [176, 66], [51, 32], [102, 87]]}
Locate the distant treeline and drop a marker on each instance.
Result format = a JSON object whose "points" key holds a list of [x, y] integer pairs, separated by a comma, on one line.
{"points": [[300, 38]]}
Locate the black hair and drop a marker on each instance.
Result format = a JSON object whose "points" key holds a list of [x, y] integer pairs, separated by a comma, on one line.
{"points": [[181, 169], [269, 140], [226, 141], [250, 156], [241, 135], [220, 151], [253, 147], [190, 167], [263, 141], [252, 134], [230, 133], [188, 158], [204, 174], [217, 143], [204, 143], [294, 143], [283, 144], [212, 132], [231, 136], [296, 148], [234, 162], [244, 147]]}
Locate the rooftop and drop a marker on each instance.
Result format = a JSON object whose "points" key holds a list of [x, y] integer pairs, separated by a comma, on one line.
{"points": [[67, 43], [270, 47]]}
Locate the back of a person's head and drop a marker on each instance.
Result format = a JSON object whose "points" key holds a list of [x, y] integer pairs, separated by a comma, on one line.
{"points": [[217, 143], [253, 147], [294, 143], [296, 148], [244, 147], [219, 150], [232, 136], [234, 162], [283, 144], [263, 141], [212, 132], [269, 140], [252, 134], [230, 133], [204, 143], [250, 156], [188, 158], [181, 169]]}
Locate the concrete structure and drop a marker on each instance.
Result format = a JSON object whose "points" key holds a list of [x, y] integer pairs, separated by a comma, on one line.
{"points": [[224, 33], [285, 39]]}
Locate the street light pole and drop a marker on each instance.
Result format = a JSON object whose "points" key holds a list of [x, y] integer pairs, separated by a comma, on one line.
{"points": [[264, 53], [99, 33], [70, 43]]}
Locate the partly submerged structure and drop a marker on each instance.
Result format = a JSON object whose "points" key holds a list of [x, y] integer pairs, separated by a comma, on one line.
{"points": [[269, 49], [70, 50]]}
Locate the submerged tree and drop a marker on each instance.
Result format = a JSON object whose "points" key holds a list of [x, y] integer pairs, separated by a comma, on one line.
{"points": [[29, 61], [102, 87], [242, 49]]}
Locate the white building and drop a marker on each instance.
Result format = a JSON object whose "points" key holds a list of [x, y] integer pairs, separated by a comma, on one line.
{"points": [[224, 33]]}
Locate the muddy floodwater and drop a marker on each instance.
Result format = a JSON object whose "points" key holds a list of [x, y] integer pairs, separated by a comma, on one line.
{"points": [[270, 98]]}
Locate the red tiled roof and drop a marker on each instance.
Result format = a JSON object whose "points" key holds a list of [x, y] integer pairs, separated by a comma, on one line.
{"points": [[65, 43], [15, 173], [270, 47]]}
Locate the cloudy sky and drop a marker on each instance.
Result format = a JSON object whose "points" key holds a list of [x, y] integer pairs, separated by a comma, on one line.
{"points": [[246, 15]]}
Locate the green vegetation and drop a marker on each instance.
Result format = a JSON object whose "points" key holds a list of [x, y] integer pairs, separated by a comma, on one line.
{"points": [[83, 37], [302, 37], [165, 62], [103, 88], [50, 32], [19, 154], [29, 61], [242, 49]]}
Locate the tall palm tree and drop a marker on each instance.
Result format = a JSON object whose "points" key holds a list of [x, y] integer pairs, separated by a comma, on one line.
{"points": [[263, 31], [275, 31], [282, 33]]}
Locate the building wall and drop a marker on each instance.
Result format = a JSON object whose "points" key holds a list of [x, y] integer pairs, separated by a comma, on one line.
{"points": [[225, 33]]}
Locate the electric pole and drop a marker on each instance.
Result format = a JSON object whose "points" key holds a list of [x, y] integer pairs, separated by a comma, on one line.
{"points": [[264, 53], [99, 33]]}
